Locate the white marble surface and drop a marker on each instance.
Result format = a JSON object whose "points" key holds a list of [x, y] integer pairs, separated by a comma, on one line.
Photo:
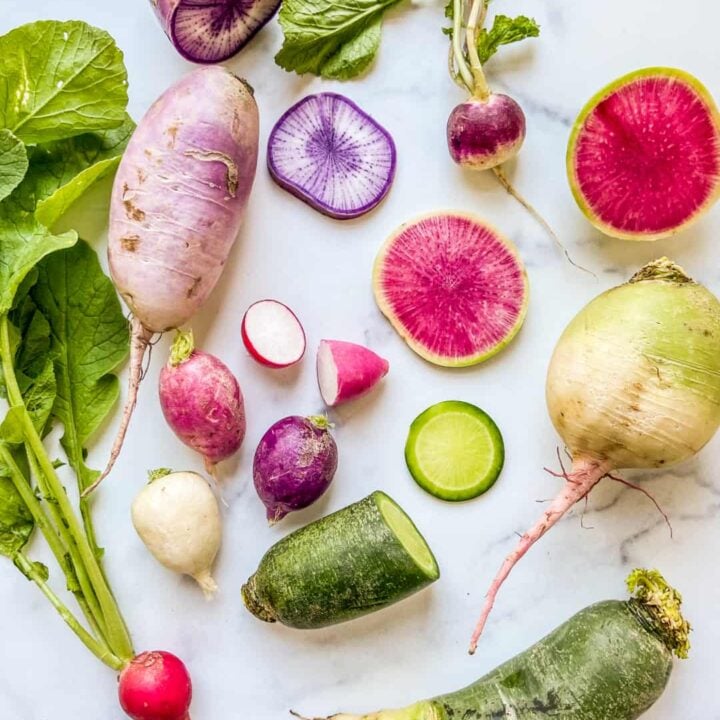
{"points": [[243, 668]]}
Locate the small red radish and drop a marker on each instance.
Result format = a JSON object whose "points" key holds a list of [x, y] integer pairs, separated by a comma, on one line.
{"points": [[273, 334], [346, 371], [155, 686], [202, 401]]}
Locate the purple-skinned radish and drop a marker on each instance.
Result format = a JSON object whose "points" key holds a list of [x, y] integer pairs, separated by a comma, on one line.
{"points": [[202, 402], [332, 155], [210, 31], [294, 464]]}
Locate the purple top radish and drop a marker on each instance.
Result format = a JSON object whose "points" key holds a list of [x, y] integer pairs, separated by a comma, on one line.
{"points": [[294, 464], [332, 155], [210, 31], [202, 402], [272, 334]]}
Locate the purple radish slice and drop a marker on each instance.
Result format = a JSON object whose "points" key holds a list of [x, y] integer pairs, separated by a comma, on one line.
{"points": [[332, 155], [452, 286], [643, 158], [272, 334], [210, 31]]}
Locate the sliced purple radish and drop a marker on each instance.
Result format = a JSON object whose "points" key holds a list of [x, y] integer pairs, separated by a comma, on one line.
{"points": [[210, 31], [643, 158], [272, 334], [453, 287], [346, 371], [332, 155]]}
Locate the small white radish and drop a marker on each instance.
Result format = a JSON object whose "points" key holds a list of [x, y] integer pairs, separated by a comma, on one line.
{"points": [[177, 516], [273, 334], [346, 371]]}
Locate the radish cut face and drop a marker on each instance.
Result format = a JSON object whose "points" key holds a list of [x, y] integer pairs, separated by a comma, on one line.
{"points": [[453, 287], [644, 155], [332, 155], [210, 31], [272, 334], [327, 374]]}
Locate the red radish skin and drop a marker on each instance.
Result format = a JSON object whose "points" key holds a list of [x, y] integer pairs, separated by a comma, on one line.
{"points": [[272, 334], [347, 371], [177, 205], [155, 686], [202, 402]]}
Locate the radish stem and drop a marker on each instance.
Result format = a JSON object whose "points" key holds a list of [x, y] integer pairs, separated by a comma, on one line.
{"points": [[480, 89], [462, 66]]}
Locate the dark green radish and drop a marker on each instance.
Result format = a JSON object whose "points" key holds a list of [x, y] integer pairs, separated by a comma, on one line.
{"points": [[357, 560], [610, 661]]}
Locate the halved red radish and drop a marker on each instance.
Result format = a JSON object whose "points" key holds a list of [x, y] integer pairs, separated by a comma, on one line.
{"points": [[643, 158], [210, 31], [452, 286], [346, 371], [272, 334]]}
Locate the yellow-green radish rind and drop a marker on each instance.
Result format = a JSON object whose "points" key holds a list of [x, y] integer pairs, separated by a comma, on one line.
{"points": [[657, 219], [454, 451]]}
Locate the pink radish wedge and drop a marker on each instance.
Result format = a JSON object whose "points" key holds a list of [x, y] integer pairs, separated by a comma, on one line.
{"points": [[346, 371], [272, 334]]}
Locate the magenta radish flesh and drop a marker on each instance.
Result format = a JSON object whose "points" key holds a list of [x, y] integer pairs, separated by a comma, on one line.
{"points": [[155, 686], [202, 401], [346, 371], [644, 155], [294, 464], [210, 31], [452, 286], [332, 155], [272, 334]]}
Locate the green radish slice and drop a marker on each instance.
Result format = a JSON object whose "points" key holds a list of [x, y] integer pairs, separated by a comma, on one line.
{"points": [[454, 451], [643, 157], [452, 286]]}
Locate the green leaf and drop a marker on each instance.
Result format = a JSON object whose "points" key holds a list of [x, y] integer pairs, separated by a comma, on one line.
{"points": [[505, 31], [331, 39], [13, 162], [89, 341], [16, 523], [60, 79]]}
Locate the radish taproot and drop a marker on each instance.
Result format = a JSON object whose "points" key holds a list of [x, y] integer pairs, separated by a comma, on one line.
{"points": [[202, 402], [643, 157], [332, 155], [177, 516], [294, 464], [272, 334], [452, 286], [610, 661], [346, 371], [210, 31], [177, 205], [348, 564], [634, 382]]}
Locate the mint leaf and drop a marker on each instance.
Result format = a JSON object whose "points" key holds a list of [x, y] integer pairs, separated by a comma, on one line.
{"points": [[505, 31], [89, 341], [13, 162], [16, 523], [331, 39], [60, 79]]}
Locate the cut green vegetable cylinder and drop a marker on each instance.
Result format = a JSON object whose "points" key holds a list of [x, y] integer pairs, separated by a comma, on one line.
{"points": [[353, 562]]}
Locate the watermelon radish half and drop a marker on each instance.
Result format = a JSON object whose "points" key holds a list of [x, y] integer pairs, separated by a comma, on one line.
{"points": [[643, 158], [452, 286]]}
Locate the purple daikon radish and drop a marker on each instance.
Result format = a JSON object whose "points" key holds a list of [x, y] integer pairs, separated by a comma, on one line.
{"points": [[210, 31], [332, 155]]}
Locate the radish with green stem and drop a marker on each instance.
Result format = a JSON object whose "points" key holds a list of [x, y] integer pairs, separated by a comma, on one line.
{"points": [[634, 382]]}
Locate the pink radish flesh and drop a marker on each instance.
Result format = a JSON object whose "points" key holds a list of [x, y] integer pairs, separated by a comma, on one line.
{"points": [[331, 154], [155, 686], [346, 371], [272, 334], [210, 31]]}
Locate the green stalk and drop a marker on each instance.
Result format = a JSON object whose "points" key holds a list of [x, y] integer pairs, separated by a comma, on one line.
{"points": [[462, 66], [476, 20]]}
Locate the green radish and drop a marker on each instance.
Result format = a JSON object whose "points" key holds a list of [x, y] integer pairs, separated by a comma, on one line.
{"points": [[357, 560], [610, 661]]}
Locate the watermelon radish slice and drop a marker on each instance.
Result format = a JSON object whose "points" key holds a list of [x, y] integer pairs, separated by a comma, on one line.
{"points": [[453, 287], [210, 31], [332, 155], [643, 158]]}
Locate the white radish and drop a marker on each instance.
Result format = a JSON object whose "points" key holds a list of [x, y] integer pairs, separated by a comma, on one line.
{"points": [[273, 334]]}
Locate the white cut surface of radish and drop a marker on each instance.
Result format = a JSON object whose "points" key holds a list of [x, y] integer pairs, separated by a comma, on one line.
{"points": [[274, 333], [327, 373]]}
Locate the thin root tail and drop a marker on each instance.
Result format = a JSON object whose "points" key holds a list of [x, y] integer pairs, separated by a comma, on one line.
{"points": [[645, 492]]}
